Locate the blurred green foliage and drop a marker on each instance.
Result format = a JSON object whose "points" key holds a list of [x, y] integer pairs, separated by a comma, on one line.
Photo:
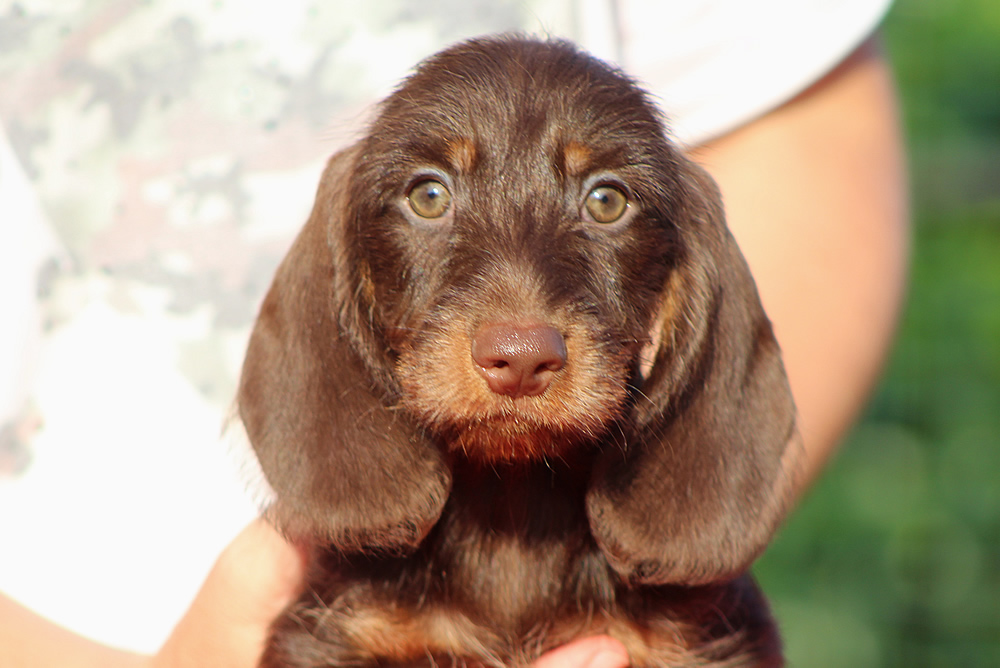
{"points": [[894, 558]]}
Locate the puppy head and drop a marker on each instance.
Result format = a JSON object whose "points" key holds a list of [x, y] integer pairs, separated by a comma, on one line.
{"points": [[522, 193], [514, 264]]}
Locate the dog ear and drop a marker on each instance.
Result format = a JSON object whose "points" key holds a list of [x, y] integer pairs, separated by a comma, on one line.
{"points": [[702, 483], [313, 399]]}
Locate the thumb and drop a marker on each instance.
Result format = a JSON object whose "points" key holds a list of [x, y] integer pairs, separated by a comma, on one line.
{"points": [[593, 652], [228, 623]]}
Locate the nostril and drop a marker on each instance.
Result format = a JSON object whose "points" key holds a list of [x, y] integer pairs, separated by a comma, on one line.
{"points": [[518, 360]]}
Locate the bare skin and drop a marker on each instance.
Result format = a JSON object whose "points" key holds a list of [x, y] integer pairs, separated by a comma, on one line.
{"points": [[816, 195], [255, 577]]}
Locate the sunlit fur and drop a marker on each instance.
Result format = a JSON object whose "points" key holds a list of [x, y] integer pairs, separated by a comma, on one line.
{"points": [[439, 383], [453, 524]]}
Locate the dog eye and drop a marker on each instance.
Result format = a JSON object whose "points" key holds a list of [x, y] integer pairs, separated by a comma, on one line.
{"points": [[606, 204], [429, 199]]}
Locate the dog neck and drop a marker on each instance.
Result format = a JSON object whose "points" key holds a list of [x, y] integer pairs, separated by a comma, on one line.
{"points": [[515, 536]]}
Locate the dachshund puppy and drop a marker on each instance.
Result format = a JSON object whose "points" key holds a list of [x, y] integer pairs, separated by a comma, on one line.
{"points": [[514, 383]]}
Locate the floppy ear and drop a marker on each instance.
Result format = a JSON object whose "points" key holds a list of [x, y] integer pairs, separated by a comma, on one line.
{"points": [[701, 486], [313, 398]]}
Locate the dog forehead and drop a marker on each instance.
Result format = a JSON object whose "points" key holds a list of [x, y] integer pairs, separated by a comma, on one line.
{"points": [[554, 151], [516, 94], [516, 126]]}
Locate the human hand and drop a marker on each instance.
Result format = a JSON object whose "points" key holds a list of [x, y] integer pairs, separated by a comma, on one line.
{"points": [[228, 624], [593, 652], [256, 577]]}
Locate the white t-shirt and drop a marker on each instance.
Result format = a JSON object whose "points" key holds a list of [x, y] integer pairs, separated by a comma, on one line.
{"points": [[156, 160]]}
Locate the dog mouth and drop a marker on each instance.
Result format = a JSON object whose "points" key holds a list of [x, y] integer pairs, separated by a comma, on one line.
{"points": [[503, 429], [511, 439], [515, 389]]}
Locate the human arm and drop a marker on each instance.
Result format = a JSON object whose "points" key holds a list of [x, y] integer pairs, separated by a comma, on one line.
{"points": [[29, 640], [815, 193], [252, 581]]}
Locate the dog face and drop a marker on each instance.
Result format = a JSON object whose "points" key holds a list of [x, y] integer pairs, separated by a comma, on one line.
{"points": [[515, 264], [497, 228]]}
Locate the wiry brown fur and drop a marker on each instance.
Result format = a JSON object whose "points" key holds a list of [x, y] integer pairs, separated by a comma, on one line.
{"points": [[453, 523]]}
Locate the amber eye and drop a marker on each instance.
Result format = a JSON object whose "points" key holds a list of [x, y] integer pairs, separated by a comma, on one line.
{"points": [[606, 204], [429, 199]]}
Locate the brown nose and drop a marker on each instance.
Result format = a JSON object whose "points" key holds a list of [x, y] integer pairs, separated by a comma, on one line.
{"points": [[518, 360]]}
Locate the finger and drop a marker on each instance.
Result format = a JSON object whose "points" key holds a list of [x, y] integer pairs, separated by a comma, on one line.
{"points": [[593, 652], [253, 580]]}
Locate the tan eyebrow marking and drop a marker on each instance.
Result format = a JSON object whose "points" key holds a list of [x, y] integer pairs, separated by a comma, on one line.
{"points": [[461, 154], [576, 158]]}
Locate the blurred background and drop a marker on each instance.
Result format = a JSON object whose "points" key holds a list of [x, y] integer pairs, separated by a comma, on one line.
{"points": [[894, 558]]}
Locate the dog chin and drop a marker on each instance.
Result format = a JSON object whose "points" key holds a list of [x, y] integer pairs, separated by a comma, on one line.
{"points": [[507, 441]]}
